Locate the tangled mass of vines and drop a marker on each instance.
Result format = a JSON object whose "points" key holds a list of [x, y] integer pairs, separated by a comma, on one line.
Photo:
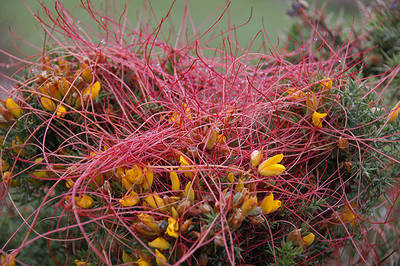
{"points": [[118, 148]]}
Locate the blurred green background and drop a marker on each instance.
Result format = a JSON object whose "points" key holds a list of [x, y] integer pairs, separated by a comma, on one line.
{"points": [[21, 35]]}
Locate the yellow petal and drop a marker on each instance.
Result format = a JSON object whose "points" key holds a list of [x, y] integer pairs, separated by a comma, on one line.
{"points": [[175, 183], [269, 205], [173, 228], [249, 205], [272, 170], [327, 84], [86, 74], [148, 178], [394, 113], [317, 119], [184, 167], [129, 200], [135, 175], [189, 192], [273, 160], [14, 108], [143, 262], [84, 202], [230, 177], [174, 213], [155, 202], [255, 158], [240, 185], [311, 101], [48, 104], [308, 239], [212, 139], [149, 221], [8, 260], [61, 110], [126, 183], [93, 91], [126, 257], [160, 243], [160, 258]]}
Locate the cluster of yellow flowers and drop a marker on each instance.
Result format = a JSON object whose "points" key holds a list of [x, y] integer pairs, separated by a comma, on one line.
{"points": [[56, 86]]}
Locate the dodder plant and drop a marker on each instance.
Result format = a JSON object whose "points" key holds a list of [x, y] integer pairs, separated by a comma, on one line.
{"points": [[140, 153]]}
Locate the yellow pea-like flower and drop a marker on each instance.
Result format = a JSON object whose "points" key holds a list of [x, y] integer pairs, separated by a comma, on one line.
{"points": [[160, 258], [173, 228], [149, 221], [135, 175], [154, 201], [175, 183], [61, 111], [86, 74], [184, 167], [84, 202], [271, 166], [240, 185], [160, 243], [249, 205], [211, 139], [255, 158], [129, 200], [317, 119], [328, 83], [394, 113], [269, 205], [143, 262], [295, 93], [174, 213], [14, 108], [148, 178], [230, 177], [92, 90], [189, 192], [8, 260], [48, 104], [308, 239], [4, 165], [311, 101]]}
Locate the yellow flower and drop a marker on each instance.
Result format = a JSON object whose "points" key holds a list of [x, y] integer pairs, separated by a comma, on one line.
{"points": [[175, 183], [394, 113], [160, 243], [230, 177], [129, 200], [255, 157], [155, 201], [149, 221], [176, 116], [347, 215], [308, 239], [92, 91], [8, 260], [14, 108], [311, 101], [86, 74], [211, 139], [269, 205], [271, 166], [4, 165], [249, 205], [221, 138], [240, 185], [184, 167], [148, 178], [173, 227], [69, 183], [327, 84], [81, 263], [295, 93], [317, 119], [48, 104], [189, 192], [126, 183], [174, 213], [160, 258], [61, 110], [143, 262], [84, 202], [134, 175]]}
